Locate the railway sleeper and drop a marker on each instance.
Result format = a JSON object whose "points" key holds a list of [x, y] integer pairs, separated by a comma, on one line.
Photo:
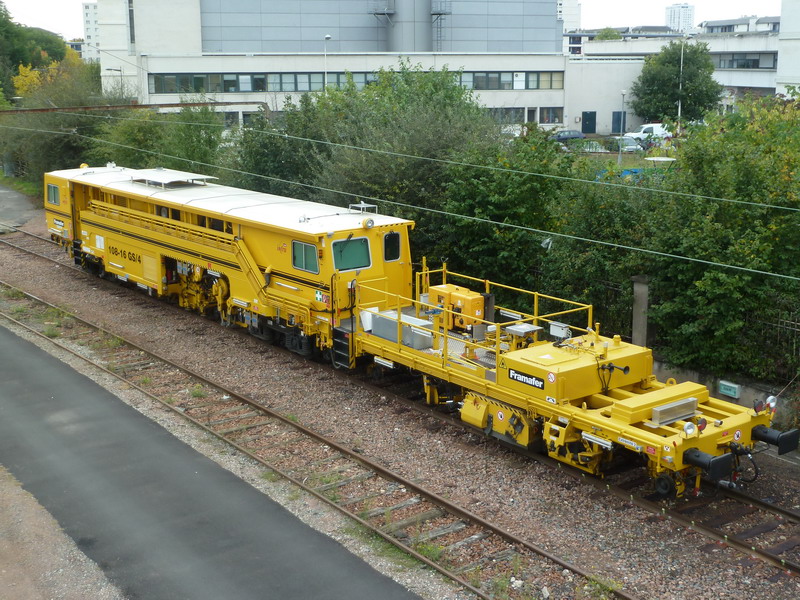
{"points": [[442, 531], [757, 530], [472, 539], [346, 481], [784, 546], [505, 555], [243, 427], [391, 488], [322, 474], [396, 528], [382, 510], [249, 415]]}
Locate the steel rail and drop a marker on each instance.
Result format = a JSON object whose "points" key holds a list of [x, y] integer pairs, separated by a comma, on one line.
{"points": [[371, 465]]}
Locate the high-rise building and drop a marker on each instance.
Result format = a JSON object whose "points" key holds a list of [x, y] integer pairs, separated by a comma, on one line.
{"points": [[91, 33], [680, 17]]}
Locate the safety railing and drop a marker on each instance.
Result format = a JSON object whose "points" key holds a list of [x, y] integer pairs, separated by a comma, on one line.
{"points": [[162, 225]]}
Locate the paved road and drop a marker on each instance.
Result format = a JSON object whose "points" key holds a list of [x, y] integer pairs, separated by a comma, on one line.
{"points": [[160, 519], [15, 208]]}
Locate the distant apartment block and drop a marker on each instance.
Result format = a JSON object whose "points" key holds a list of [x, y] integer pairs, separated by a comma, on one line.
{"points": [[90, 50], [680, 17]]}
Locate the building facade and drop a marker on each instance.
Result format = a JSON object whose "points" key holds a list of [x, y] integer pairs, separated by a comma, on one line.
{"points": [[679, 17], [142, 52], [90, 49]]}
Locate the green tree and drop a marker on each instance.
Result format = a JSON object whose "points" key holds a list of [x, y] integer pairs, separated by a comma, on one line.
{"points": [[497, 193], [609, 33], [663, 82], [188, 140], [20, 45], [405, 113], [41, 142]]}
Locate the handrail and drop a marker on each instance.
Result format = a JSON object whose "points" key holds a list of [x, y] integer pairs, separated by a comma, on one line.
{"points": [[163, 225], [424, 275]]}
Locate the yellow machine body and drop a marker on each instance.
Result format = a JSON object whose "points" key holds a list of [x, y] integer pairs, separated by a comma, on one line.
{"points": [[276, 265], [339, 282]]}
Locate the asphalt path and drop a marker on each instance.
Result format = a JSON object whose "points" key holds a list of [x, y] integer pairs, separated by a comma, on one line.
{"points": [[15, 208], [160, 519]]}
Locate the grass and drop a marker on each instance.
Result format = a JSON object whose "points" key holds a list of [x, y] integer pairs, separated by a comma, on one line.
{"points": [[433, 552], [109, 342], [270, 476], [145, 381], [19, 311], [381, 547], [51, 331], [599, 588], [13, 294], [33, 190], [198, 391]]}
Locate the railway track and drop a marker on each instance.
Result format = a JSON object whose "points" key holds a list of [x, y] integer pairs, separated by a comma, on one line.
{"points": [[398, 508], [483, 558]]}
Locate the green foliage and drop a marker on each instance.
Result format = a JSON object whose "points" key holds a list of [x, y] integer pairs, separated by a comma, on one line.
{"points": [[663, 82], [20, 45], [609, 33], [714, 317], [42, 142], [406, 112], [503, 196]]}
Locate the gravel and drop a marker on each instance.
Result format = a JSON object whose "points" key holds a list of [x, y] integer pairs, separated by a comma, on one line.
{"points": [[623, 545]]}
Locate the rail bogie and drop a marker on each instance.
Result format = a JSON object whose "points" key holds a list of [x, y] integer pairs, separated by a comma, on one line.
{"points": [[338, 283]]}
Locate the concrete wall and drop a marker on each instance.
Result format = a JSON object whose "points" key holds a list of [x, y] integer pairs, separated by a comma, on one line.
{"points": [[595, 85], [789, 47]]}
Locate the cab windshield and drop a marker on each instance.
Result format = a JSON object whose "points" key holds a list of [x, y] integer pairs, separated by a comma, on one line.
{"points": [[352, 253]]}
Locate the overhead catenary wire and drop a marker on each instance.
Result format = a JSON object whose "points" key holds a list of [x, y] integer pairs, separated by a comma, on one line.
{"points": [[421, 208], [466, 164]]}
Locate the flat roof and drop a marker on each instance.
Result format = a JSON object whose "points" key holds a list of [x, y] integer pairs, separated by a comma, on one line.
{"points": [[178, 188]]}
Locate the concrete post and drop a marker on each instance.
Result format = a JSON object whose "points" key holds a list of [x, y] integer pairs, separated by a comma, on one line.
{"points": [[641, 295]]}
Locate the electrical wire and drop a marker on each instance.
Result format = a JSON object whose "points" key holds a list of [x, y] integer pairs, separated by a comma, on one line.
{"points": [[421, 208], [464, 164]]}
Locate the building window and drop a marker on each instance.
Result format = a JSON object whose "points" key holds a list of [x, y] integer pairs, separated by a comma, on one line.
{"points": [[214, 82], [304, 257], [52, 194], [531, 116], [505, 115], [229, 83], [549, 115], [130, 22], [742, 60]]}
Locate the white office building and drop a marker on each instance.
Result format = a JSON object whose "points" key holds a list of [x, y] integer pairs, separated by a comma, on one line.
{"points": [[248, 54]]}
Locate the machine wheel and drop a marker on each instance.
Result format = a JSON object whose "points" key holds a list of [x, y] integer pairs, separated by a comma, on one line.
{"points": [[665, 485]]}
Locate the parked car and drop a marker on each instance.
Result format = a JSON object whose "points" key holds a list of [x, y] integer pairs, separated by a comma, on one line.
{"points": [[567, 134], [624, 143], [592, 146], [650, 131]]}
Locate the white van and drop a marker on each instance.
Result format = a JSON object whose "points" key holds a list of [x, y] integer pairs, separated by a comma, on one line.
{"points": [[650, 131]]}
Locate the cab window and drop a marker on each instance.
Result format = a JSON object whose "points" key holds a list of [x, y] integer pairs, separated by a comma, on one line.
{"points": [[351, 254], [391, 246], [52, 194], [304, 257]]}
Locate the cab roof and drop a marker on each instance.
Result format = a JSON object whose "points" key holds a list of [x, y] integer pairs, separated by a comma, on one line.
{"points": [[174, 188]]}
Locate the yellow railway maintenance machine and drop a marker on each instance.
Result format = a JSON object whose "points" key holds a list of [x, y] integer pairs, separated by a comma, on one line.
{"points": [[529, 380], [338, 282], [276, 265]]}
